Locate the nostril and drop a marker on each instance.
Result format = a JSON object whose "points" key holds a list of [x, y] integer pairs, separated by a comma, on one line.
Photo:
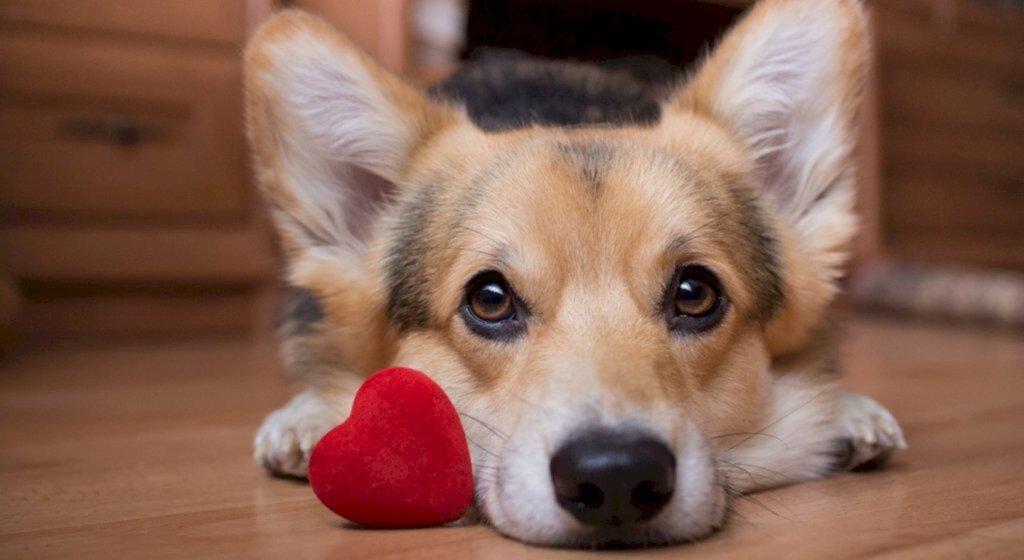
{"points": [[613, 478], [588, 496], [649, 498]]}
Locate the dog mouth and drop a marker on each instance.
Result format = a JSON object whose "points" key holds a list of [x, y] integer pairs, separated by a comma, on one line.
{"points": [[655, 533], [628, 538]]}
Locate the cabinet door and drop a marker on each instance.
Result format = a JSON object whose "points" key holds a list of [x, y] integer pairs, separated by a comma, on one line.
{"points": [[138, 131]]}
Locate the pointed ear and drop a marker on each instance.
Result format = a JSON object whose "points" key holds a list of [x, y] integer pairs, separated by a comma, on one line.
{"points": [[331, 132], [787, 81]]}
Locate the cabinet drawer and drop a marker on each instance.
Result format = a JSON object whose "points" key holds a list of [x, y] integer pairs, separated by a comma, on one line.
{"points": [[212, 20], [91, 128]]}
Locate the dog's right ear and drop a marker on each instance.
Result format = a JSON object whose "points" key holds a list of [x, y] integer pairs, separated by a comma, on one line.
{"points": [[331, 134], [786, 82]]}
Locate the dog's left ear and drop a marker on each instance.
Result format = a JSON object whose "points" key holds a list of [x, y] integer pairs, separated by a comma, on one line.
{"points": [[331, 133], [787, 81], [332, 136]]}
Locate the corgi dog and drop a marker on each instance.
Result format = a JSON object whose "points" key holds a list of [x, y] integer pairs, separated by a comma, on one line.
{"points": [[626, 296]]}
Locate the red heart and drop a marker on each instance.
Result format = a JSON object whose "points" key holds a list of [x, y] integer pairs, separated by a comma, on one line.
{"points": [[401, 458]]}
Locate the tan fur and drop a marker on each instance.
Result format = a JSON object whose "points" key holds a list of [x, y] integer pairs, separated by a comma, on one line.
{"points": [[592, 257]]}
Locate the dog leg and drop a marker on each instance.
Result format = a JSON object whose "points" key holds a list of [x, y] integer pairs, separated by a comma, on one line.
{"points": [[872, 435], [814, 429], [287, 437]]}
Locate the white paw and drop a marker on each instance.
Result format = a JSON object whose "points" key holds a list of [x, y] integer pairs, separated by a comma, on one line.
{"points": [[287, 437], [874, 433]]}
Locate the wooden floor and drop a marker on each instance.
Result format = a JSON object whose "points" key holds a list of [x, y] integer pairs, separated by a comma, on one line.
{"points": [[142, 450]]}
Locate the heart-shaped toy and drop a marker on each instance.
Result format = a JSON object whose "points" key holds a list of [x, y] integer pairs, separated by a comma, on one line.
{"points": [[399, 460]]}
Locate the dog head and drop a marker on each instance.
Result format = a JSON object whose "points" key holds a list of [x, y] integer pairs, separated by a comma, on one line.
{"points": [[602, 303]]}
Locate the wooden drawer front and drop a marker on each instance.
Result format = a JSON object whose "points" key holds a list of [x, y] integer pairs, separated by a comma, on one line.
{"points": [[90, 128], [951, 84], [101, 310], [212, 20]]}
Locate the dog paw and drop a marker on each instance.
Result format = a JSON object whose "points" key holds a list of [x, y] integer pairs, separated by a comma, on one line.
{"points": [[287, 437], [872, 434]]}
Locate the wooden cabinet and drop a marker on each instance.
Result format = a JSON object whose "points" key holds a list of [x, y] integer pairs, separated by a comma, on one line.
{"points": [[951, 91], [126, 201]]}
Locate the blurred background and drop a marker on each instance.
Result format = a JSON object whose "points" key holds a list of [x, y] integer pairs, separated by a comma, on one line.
{"points": [[127, 206]]}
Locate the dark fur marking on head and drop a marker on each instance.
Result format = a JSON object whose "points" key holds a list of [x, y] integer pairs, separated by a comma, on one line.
{"points": [[302, 313], [405, 265], [506, 93], [765, 270], [481, 184], [590, 159]]}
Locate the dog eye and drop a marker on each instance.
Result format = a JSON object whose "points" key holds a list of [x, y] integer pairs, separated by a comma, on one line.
{"points": [[491, 308], [694, 297], [491, 301], [694, 300]]}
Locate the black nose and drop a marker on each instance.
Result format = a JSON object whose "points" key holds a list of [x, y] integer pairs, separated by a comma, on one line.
{"points": [[613, 478]]}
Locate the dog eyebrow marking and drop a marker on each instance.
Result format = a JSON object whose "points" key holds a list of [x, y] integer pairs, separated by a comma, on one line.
{"points": [[678, 245], [405, 265], [495, 257], [759, 242], [479, 186], [591, 159]]}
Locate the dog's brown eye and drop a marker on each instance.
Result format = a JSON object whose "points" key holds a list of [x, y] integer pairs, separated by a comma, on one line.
{"points": [[694, 300], [492, 302], [694, 297], [491, 308]]}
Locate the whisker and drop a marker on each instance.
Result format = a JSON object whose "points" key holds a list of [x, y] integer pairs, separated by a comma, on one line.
{"points": [[736, 516], [753, 434], [781, 418], [782, 476], [748, 497], [735, 466], [481, 448], [489, 428]]}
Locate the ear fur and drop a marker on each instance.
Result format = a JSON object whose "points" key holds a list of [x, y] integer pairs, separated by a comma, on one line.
{"points": [[787, 81], [331, 133]]}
